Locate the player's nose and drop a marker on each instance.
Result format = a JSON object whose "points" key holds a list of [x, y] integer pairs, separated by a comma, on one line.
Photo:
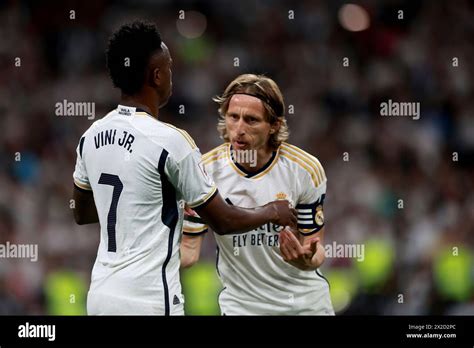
{"points": [[240, 127]]}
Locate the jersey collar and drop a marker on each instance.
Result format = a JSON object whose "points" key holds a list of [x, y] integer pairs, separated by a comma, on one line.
{"points": [[125, 110], [257, 174]]}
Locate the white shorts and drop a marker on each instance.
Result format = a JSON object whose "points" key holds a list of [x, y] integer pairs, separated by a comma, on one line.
{"points": [[231, 305], [105, 304]]}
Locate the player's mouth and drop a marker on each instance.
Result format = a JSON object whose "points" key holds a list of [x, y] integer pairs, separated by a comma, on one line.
{"points": [[239, 145]]}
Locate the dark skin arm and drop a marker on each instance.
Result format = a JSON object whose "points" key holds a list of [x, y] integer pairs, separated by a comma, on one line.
{"points": [[84, 210], [228, 219], [220, 216]]}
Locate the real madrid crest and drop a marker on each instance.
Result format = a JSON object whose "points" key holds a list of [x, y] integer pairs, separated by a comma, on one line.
{"points": [[283, 196], [319, 216]]}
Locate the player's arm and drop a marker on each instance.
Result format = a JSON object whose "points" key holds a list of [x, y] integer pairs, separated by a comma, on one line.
{"points": [[198, 190], [303, 252], [191, 241], [224, 218], [84, 209], [319, 255], [303, 248], [193, 232], [190, 249]]}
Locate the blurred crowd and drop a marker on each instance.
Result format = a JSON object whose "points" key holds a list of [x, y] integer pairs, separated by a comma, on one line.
{"points": [[402, 187]]}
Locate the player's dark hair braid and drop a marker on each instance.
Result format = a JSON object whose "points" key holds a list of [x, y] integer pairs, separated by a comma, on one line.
{"points": [[128, 53]]}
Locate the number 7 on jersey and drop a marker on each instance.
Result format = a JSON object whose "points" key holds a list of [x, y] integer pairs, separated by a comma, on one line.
{"points": [[114, 181]]}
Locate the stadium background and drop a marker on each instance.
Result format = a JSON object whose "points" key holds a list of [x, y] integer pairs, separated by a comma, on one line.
{"points": [[408, 251]]}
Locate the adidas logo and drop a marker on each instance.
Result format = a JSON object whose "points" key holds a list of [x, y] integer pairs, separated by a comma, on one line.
{"points": [[176, 300]]}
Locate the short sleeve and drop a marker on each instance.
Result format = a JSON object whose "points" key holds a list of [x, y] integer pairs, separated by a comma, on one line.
{"points": [[81, 179], [310, 206], [191, 180], [194, 226]]}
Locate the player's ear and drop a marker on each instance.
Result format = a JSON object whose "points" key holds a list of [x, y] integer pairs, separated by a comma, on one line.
{"points": [[275, 127], [155, 77]]}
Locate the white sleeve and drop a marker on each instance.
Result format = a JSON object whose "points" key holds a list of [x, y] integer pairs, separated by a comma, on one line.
{"points": [[310, 205], [81, 179], [190, 179], [194, 226]]}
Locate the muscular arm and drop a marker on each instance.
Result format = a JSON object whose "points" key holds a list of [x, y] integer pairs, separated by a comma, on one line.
{"points": [[84, 210], [228, 219]]}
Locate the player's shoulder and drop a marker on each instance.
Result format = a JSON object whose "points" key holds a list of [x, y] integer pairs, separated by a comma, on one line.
{"points": [[180, 143], [302, 162], [178, 134], [98, 123], [216, 155], [176, 141]]}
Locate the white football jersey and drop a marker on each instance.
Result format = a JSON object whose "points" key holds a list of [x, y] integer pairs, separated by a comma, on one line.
{"points": [[139, 170], [255, 277]]}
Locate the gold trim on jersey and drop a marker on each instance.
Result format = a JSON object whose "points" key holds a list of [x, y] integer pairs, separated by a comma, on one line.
{"points": [[214, 154], [189, 229], [82, 186], [232, 164], [203, 200], [307, 231], [259, 175], [307, 159], [214, 151], [275, 160], [308, 156], [141, 113], [303, 164], [184, 134], [215, 158]]}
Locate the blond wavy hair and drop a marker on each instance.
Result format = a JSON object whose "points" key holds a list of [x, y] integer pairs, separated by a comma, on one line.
{"points": [[263, 88]]}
